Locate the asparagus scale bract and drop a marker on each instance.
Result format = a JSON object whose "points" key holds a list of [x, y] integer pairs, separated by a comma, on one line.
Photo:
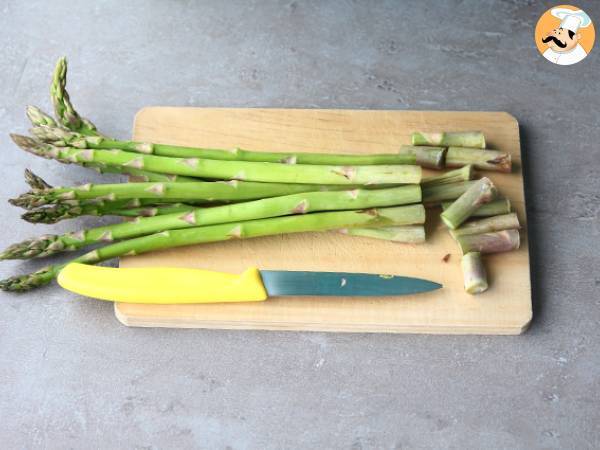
{"points": [[231, 170], [271, 207], [235, 230]]}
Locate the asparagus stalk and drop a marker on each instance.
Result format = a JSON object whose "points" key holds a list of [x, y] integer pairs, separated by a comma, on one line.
{"points": [[483, 191], [56, 213], [474, 275], [64, 138], [488, 225], [480, 159], [63, 108], [453, 176], [231, 170], [259, 209], [450, 139], [408, 234], [235, 230], [451, 191], [430, 157], [164, 192], [141, 175], [493, 208], [499, 241]]}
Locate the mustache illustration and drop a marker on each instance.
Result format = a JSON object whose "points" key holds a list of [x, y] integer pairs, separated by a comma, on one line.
{"points": [[556, 41]]}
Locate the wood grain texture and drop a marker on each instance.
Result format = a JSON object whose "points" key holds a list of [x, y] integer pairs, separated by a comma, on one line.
{"points": [[504, 309]]}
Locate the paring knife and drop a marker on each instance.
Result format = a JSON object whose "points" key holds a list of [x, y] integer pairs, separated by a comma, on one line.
{"points": [[169, 285]]}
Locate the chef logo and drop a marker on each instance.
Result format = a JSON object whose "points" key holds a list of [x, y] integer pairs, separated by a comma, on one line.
{"points": [[564, 35]]}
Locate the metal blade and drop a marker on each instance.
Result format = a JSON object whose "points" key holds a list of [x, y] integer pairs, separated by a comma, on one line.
{"points": [[281, 282]]}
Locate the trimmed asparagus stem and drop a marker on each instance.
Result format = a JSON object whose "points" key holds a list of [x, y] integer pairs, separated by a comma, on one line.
{"points": [[483, 191], [453, 176], [63, 109], [235, 230], [480, 159], [488, 225], [451, 191], [474, 275], [259, 209], [408, 234], [493, 208], [430, 157], [64, 138], [231, 170], [499, 241], [450, 139], [165, 192]]}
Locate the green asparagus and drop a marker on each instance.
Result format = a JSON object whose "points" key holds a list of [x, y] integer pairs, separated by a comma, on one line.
{"points": [[453, 176], [488, 225], [230, 170], [483, 191], [430, 157], [435, 194], [474, 275], [493, 208], [450, 139], [499, 241], [63, 109], [401, 215], [408, 234], [480, 159], [258, 209]]}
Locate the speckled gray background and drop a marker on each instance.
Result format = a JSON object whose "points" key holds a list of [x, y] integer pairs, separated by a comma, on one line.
{"points": [[72, 377]]}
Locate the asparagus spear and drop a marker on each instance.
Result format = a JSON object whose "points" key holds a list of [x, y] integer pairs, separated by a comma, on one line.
{"points": [[61, 137], [56, 213], [430, 157], [450, 139], [493, 208], [235, 230], [500, 241], [408, 234], [451, 191], [483, 191], [474, 275], [231, 170], [164, 192], [63, 109], [488, 225], [480, 159], [453, 176], [258, 209]]}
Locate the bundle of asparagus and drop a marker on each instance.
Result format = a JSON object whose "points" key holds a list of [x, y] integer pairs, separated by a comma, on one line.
{"points": [[190, 195]]}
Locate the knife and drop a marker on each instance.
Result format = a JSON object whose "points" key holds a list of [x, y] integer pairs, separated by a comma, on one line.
{"points": [[170, 285]]}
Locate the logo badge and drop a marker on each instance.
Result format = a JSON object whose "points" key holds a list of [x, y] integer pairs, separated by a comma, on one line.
{"points": [[564, 35]]}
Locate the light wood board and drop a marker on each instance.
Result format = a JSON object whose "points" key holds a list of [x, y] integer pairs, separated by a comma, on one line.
{"points": [[504, 309]]}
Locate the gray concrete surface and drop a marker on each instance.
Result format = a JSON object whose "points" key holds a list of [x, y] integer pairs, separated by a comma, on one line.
{"points": [[72, 377]]}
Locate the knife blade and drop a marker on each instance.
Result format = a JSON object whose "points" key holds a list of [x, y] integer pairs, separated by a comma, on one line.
{"points": [[171, 285]]}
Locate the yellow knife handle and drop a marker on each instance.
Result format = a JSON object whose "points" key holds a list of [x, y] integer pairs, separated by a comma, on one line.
{"points": [[162, 285]]}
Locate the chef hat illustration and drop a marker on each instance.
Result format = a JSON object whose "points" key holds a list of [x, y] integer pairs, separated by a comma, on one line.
{"points": [[571, 20]]}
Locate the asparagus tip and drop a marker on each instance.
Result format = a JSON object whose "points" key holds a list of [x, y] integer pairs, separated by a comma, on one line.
{"points": [[21, 283]]}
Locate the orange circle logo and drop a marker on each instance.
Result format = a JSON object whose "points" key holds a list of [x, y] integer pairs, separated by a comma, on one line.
{"points": [[565, 35]]}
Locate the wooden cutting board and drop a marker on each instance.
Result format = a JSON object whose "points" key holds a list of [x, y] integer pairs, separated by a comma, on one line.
{"points": [[504, 309]]}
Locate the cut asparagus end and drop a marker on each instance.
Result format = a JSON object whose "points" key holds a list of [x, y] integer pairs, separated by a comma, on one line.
{"points": [[465, 173], [483, 191], [430, 157], [474, 275], [496, 242], [435, 194], [488, 225], [493, 208], [409, 234], [450, 138], [481, 159]]}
